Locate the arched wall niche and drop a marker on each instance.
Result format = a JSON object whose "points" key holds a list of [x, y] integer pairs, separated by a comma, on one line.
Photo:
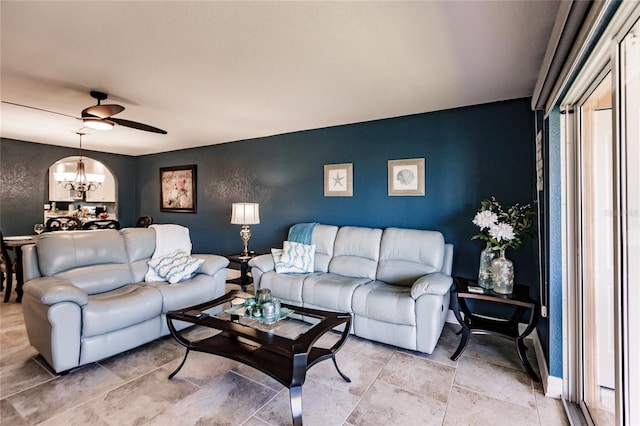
{"points": [[105, 196]]}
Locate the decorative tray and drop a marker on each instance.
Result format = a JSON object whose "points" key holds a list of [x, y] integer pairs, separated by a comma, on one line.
{"points": [[241, 312]]}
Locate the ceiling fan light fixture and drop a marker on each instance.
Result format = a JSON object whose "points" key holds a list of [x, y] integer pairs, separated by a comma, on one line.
{"points": [[98, 123]]}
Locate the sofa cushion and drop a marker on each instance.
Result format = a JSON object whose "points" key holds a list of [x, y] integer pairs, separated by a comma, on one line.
{"points": [[385, 302], [61, 251], [140, 243], [98, 278], [288, 288], [324, 238], [356, 252], [120, 308], [294, 258], [408, 254], [187, 293], [330, 291]]}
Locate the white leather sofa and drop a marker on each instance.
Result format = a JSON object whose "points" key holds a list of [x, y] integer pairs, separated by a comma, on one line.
{"points": [[85, 298], [395, 282]]}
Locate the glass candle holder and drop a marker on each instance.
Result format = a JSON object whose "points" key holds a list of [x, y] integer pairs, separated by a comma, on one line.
{"points": [[264, 296]]}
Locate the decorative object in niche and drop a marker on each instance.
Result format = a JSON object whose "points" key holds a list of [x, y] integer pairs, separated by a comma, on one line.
{"points": [[338, 180], [406, 177], [178, 189]]}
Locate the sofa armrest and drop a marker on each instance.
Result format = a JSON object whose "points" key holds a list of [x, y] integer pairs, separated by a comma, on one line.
{"points": [[52, 290], [212, 263], [436, 283], [264, 262]]}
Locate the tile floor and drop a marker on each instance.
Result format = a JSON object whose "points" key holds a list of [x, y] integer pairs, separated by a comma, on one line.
{"points": [[390, 386]]}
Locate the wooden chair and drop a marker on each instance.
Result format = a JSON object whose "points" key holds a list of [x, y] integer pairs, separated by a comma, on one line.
{"points": [[101, 224], [6, 269], [63, 223], [144, 222]]}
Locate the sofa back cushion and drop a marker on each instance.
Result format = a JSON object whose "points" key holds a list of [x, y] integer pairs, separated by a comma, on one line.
{"points": [[407, 254], [140, 244], [324, 238], [356, 252], [95, 261]]}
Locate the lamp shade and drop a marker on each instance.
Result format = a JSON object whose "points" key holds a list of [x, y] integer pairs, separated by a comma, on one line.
{"points": [[245, 213]]}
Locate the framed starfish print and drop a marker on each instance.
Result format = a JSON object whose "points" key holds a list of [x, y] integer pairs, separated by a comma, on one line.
{"points": [[338, 180]]}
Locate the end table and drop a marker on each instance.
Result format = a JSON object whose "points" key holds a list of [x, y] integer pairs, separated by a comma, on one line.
{"points": [[245, 279], [519, 299]]}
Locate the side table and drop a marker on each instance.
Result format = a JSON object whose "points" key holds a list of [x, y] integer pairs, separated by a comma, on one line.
{"points": [[245, 279], [519, 299]]}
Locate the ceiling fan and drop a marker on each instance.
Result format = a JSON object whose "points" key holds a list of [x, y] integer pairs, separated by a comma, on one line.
{"points": [[100, 116]]}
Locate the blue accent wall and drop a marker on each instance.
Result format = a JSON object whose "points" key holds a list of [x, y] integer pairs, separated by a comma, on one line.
{"points": [[471, 153], [554, 350], [24, 182]]}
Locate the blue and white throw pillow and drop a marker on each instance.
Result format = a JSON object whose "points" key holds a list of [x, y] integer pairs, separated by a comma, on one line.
{"points": [[294, 258], [176, 266]]}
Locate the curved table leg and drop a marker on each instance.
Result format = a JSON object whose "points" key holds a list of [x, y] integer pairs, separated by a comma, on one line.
{"points": [[522, 354], [464, 340], [346, 379], [522, 349], [295, 394], [180, 366]]}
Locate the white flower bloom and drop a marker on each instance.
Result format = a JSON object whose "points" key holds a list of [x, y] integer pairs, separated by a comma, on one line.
{"points": [[485, 219], [502, 232]]}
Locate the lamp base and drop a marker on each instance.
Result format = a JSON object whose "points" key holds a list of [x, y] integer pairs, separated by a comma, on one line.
{"points": [[245, 236]]}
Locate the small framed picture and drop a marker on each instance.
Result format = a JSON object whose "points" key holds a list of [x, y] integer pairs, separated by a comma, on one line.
{"points": [[406, 177], [338, 180], [178, 189]]}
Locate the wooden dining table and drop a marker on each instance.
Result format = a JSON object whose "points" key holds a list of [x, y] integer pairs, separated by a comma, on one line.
{"points": [[16, 243]]}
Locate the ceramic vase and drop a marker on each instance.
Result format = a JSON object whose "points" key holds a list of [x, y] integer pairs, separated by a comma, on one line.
{"points": [[484, 273], [502, 274]]}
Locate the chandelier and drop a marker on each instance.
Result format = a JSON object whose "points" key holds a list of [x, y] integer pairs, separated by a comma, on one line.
{"points": [[79, 182]]}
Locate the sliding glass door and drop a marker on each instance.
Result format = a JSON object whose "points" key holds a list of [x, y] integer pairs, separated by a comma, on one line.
{"points": [[630, 203], [602, 163], [598, 238]]}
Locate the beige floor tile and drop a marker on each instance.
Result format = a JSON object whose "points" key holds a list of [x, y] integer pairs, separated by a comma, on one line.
{"points": [[230, 399], [361, 370], [140, 400], [496, 381], [24, 374], [321, 406], [366, 348], [56, 396], [385, 404], [550, 411], [418, 375], [467, 407], [138, 361], [78, 416]]}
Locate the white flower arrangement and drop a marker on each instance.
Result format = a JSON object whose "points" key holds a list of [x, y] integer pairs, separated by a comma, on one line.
{"points": [[501, 228]]}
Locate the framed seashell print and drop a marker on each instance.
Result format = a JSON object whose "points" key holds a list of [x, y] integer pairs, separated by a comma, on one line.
{"points": [[406, 177], [338, 180]]}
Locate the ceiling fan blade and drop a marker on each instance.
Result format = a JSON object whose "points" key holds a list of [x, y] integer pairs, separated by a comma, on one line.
{"points": [[39, 109], [138, 126], [103, 111]]}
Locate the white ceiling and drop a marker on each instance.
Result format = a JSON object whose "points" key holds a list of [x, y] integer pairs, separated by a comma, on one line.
{"points": [[213, 72]]}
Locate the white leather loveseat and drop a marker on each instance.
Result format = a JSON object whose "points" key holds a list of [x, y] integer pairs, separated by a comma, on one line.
{"points": [[85, 295], [395, 282]]}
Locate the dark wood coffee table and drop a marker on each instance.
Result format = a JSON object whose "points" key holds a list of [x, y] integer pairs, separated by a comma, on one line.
{"points": [[270, 348]]}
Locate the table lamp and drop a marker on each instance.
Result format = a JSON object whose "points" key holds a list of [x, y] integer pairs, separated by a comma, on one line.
{"points": [[245, 214]]}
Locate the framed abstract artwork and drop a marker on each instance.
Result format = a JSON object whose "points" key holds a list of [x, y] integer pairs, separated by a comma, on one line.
{"points": [[406, 177], [338, 180], [178, 189]]}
